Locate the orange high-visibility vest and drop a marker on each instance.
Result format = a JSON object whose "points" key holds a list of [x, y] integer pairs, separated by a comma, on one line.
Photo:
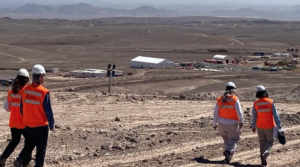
{"points": [[33, 111], [265, 119], [15, 119], [227, 110]]}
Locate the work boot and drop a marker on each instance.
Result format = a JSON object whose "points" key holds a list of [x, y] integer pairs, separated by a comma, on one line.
{"points": [[2, 162], [18, 163], [263, 161], [228, 156]]}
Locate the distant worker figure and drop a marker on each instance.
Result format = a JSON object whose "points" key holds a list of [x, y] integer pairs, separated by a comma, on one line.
{"points": [[12, 105], [37, 116], [229, 119], [264, 119]]}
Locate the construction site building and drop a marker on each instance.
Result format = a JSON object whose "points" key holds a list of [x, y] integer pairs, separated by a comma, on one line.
{"points": [[224, 58], [150, 63], [88, 73]]}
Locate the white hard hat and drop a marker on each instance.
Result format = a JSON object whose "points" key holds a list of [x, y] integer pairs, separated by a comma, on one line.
{"points": [[38, 69], [231, 84], [23, 72], [260, 88]]}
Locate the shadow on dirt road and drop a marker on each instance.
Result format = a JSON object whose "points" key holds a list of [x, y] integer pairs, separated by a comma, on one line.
{"points": [[201, 160]]}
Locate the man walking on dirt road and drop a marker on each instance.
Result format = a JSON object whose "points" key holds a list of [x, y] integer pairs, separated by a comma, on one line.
{"points": [[37, 117], [228, 118], [264, 119]]}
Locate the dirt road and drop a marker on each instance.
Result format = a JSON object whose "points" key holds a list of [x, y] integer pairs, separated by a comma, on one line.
{"points": [[151, 131]]}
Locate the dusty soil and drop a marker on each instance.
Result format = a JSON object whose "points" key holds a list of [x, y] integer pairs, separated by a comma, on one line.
{"points": [[155, 117], [149, 131]]}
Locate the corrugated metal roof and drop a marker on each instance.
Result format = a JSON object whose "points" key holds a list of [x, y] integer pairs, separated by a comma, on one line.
{"points": [[148, 59]]}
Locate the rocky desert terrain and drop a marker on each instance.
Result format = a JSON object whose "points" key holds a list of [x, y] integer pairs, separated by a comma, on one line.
{"points": [[154, 117]]}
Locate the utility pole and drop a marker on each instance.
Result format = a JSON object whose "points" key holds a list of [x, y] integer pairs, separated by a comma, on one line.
{"points": [[109, 87], [110, 73]]}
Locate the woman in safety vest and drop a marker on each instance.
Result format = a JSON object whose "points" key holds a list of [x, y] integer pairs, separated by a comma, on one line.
{"points": [[264, 119], [12, 105], [228, 118], [37, 117]]}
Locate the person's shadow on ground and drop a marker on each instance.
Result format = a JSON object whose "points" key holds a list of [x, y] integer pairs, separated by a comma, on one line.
{"points": [[202, 160]]}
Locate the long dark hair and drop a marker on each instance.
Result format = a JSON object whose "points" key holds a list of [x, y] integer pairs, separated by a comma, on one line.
{"points": [[19, 83], [229, 91], [261, 94]]}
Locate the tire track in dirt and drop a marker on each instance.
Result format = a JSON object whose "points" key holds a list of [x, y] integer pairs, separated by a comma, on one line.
{"points": [[235, 40], [252, 156], [217, 39], [22, 60], [180, 148], [232, 40]]}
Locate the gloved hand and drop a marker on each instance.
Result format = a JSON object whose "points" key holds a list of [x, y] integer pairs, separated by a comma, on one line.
{"points": [[215, 127], [253, 130]]}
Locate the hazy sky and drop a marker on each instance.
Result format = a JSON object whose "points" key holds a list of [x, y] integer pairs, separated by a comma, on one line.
{"points": [[150, 2]]}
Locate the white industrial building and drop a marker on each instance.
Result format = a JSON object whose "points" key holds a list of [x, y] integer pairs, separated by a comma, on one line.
{"points": [[55, 70], [150, 62], [93, 73], [88, 73], [119, 73], [282, 55], [224, 58], [75, 73]]}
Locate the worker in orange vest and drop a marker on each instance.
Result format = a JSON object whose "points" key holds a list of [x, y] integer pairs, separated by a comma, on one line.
{"points": [[37, 117], [12, 105], [228, 119], [264, 119]]}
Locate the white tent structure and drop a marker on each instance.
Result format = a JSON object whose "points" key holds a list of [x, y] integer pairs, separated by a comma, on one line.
{"points": [[150, 62], [88, 73], [224, 58], [277, 54]]}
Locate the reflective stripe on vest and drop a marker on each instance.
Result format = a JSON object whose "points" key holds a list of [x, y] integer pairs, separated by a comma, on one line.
{"points": [[32, 102], [15, 96], [33, 93], [15, 104], [263, 103], [226, 106], [263, 110], [263, 107], [33, 111]]}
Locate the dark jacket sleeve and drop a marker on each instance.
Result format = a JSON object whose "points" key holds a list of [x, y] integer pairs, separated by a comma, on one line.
{"points": [[48, 110]]}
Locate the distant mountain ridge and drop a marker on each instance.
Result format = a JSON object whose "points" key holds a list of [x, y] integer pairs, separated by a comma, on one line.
{"points": [[244, 12], [87, 11], [33, 9]]}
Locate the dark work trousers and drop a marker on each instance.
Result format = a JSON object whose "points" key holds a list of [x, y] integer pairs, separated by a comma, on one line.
{"points": [[37, 137], [16, 137]]}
